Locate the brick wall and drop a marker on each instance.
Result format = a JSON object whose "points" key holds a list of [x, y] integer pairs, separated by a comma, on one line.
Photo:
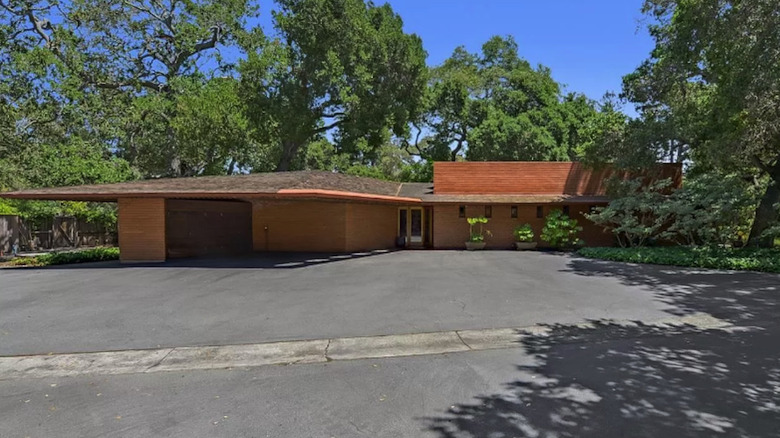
{"points": [[142, 229], [451, 231], [371, 226], [322, 226], [299, 225], [539, 177]]}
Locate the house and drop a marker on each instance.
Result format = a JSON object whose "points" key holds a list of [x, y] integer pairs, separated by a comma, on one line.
{"points": [[330, 212]]}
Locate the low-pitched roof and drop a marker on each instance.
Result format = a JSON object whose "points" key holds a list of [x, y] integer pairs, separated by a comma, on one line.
{"points": [[463, 183], [292, 184]]}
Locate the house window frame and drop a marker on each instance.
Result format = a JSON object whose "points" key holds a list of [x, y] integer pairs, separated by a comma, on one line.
{"points": [[539, 212], [462, 211], [513, 211]]}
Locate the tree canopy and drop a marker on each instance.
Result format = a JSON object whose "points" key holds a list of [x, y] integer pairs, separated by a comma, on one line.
{"points": [[98, 91]]}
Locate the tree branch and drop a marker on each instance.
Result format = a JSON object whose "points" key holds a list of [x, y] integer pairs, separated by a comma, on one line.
{"points": [[327, 127]]}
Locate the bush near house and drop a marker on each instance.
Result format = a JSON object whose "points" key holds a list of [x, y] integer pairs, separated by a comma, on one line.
{"points": [[561, 231], [62, 258], [742, 259]]}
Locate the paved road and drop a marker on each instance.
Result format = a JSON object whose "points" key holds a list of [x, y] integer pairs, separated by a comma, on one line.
{"points": [[604, 381], [262, 299]]}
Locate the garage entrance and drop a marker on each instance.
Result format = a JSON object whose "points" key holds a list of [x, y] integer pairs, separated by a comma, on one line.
{"points": [[196, 228]]}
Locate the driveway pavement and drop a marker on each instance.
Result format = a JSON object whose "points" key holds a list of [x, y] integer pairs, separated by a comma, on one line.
{"points": [[596, 380], [109, 306], [287, 297]]}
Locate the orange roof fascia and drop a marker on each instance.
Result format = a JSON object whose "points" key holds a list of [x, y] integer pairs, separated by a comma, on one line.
{"points": [[337, 194]]}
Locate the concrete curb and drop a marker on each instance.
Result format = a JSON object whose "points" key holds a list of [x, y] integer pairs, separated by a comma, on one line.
{"points": [[298, 352]]}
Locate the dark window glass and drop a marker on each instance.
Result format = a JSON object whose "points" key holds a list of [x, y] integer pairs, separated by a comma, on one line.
{"points": [[513, 211], [462, 211], [539, 212], [488, 211], [402, 223], [566, 210]]}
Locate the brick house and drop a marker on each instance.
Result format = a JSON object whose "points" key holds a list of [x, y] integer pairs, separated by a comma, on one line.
{"points": [[330, 212]]}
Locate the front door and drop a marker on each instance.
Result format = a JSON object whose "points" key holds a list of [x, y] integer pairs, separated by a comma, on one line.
{"points": [[410, 225]]}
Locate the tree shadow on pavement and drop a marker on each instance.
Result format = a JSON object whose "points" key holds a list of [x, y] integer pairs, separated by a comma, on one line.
{"points": [[645, 380]]}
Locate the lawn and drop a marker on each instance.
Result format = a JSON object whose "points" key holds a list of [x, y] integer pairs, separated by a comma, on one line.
{"points": [[742, 259]]}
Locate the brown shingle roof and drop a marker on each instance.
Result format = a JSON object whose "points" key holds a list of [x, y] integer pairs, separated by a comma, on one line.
{"points": [[217, 186]]}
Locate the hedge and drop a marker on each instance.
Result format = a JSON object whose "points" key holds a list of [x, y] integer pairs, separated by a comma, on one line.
{"points": [[62, 258], [741, 259]]}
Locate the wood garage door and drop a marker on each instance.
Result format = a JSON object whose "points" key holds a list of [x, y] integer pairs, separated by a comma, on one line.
{"points": [[205, 228]]}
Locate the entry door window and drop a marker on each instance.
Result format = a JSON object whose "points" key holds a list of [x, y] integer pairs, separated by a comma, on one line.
{"points": [[416, 226]]}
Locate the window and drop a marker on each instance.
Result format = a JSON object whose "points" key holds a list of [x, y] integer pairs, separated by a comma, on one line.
{"points": [[566, 210], [462, 211], [539, 212], [488, 211], [513, 211]]}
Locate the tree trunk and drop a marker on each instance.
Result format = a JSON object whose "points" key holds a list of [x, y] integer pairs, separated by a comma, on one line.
{"points": [[766, 213], [289, 150]]}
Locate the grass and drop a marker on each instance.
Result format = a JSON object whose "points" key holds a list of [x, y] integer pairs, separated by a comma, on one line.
{"points": [[740, 259], [62, 258]]}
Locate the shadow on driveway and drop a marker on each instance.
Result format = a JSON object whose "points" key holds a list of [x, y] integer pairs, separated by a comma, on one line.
{"points": [[270, 260], [645, 381]]}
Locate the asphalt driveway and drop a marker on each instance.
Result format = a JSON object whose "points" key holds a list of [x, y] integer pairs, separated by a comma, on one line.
{"points": [[108, 306]]}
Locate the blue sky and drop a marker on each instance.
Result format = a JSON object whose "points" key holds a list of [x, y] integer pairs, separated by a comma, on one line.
{"points": [[589, 45]]}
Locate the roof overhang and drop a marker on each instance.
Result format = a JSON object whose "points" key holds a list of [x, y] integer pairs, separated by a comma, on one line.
{"points": [[514, 199], [280, 194]]}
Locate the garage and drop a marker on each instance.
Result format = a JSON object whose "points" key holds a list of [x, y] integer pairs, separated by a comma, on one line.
{"points": [[196, 228]]}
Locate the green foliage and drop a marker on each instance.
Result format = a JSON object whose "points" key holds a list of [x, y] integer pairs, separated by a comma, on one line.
{"points": [[710, 209], [523, 233], [495, 106], [709, 90], [636, 214], [751, 259], [62, 258], [561, 231], [35, 212], [479, 234], [341, 67]]}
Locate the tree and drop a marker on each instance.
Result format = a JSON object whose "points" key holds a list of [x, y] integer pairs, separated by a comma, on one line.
{"points": [[339, 67], [713, 78], [495, 106], [98, 58]]}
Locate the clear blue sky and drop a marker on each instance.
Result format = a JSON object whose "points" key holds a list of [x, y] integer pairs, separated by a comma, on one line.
{"points": [[589, 45]]}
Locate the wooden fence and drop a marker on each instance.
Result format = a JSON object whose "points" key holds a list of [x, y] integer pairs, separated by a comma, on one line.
{"points": [[59, 232]]}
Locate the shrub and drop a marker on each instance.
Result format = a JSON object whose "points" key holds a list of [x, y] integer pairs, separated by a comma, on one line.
{"points": [[560, 231], [750, 259], [62, 258], [524, 233], [710, 209], [479, 235]]}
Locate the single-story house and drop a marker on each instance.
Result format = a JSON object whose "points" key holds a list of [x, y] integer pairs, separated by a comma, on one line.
{"points": [[330, 212]]}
